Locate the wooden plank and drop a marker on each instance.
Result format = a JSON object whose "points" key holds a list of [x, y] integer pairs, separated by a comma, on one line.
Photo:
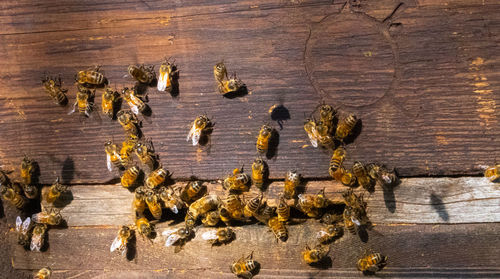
{"points": [[419, 79], [415, 201], [413, 251]]}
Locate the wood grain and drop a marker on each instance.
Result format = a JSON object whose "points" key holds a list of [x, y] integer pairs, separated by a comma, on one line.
{"points": [[427, 103], [415, 201]]}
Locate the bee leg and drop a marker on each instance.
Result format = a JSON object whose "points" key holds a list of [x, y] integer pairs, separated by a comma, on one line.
{"points": [[74, 108]]}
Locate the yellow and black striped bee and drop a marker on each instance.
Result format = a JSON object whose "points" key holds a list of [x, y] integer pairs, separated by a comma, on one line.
{"points": [[345, 126], [258, 172], [381, 174], [220, 72], [133, 100], [324, 136], [370, 263], [53, 87], [292, 181], [121, 241], [315, 255], [359, 170], [237, 182], [211, 218], [312, 132], [168, 76], [192, 191], [157, 177], [233, 85], [338, 158], [128, 147], [43, 273], [200, 125], [144, 227], [129, 176], [112, 156], [219, 236], [244, 267], [91, 77], [108, 102], [231, 209], [4, 179], [263, 138], [27, 170], [84, 101], [139, 203], [129, 122], [146, 154], [178, 237], [153, 204], [55, 191], [278, 228], [283, 210], [15, 198], [51, 217], [327, 114], [142, 74], [330, 233], [252, 206], [38, 237]]}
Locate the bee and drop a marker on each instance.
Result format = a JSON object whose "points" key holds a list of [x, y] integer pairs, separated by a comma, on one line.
{"points": [[283, 210], [379, 173], [237, 182], [305, 203], [493, 173], [43, 273], [219, 236], [345, 126], [53, 88], [121, 241], [91, 77], [263, 138], [4, 179], [146, 154], [157, 177], [129, 122], [343, 176], [168, 72], [27, 170], [23, 231], [30, 191], [312, 132], [15, 198], [52, 217], [326, 114], [338, 158], [258, 169], [265, 213], [144, 227], [171, 199], [112, 156], [203, 205], [220, 72], [178, 237], [244, 267], [55, 191], [191, 191], [325, 139], [142, 74], [278, 228], [136, 104], [130, 176], [211, 218], [139, 203], [84, 101], [108, 101], [292, 181], [352, 200], [330, 233], [348, 221], [320, 200], [128, 147], [359, 170], [330, 218], [153, 204], [200, 125], [252, 206], [38, 237], [371, 262], [234, 207], [315, 255], [234, 84]]}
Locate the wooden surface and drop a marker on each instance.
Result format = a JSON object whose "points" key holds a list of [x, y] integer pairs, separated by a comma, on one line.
{"points": [[424, 90]]}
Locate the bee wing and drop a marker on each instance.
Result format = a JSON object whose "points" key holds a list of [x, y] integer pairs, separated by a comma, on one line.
{"points": [[37, 217], [196, 137], [314, 142], [168, 232], [134, 109], [108, 162], [117, 242], [172, 239], [36, 242], [26, 225], [162, 81], [19, 223], [174, 209], [321, 234], [356, 221], [209, 235], [191, 133]]}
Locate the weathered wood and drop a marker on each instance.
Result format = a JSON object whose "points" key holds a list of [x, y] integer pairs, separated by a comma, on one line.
{"points": [[421, 250], [424, 90], [415, 201]]}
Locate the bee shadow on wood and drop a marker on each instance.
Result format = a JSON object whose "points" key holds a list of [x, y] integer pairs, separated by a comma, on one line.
{"points": [[241, 92], [265, 177], [68, 171], [46, 241], [205, 138], [363, 233], [356, 131], [389, 199], [131, 247], [438, 205], [64, 199], [280, 114], [274, 140], [174, 90], [324, 263], [168, 215], [117, 106], [2, 212]]}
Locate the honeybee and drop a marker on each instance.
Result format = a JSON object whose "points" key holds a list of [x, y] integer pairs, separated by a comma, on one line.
{"points": [[278, 228], [326, 114], [343, 176], [258, 169], [244, 267], [252, 206], [338, 158], [129, 176], [331, 218], [55, 191], [38, 237], [136, 104], [121, 241], [15, 198], [129, 122], [53, 88], [493, 173], [265, 213], [192, 191], [108, 101], [385, 177], [315, 255], [371, 262], [263, 138], [27, 170], [305, 203], [353, 200], [237, 182], [312, 132], [153, 204], [171, 199], [211, 218], [91, 77], [292, 181], [128, 147], [203, 205], [330, 233], [200, 125], [283, 210], [139, 203], [220, 72], [178, 237], [84, 101], [219, 236], [52, 217], [30, 191], [234, 84], [157, 177], [142, 74], [144, 227], [112, 156], [4, 179], [359, 170], [320, 200], [325, 138], [167, 76], [146, 154], [23, 231], [234, 207], [43, 273], [345, 126], [348, 221]]}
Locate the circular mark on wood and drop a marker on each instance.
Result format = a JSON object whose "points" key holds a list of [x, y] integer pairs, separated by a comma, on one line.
{"points": [[348, 60]]}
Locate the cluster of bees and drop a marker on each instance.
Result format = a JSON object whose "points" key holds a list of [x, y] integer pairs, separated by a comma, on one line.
{"points": [[25, 196]]}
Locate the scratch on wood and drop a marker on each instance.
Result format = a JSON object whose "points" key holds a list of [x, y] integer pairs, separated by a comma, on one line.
{"points": [[484, 98]]}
